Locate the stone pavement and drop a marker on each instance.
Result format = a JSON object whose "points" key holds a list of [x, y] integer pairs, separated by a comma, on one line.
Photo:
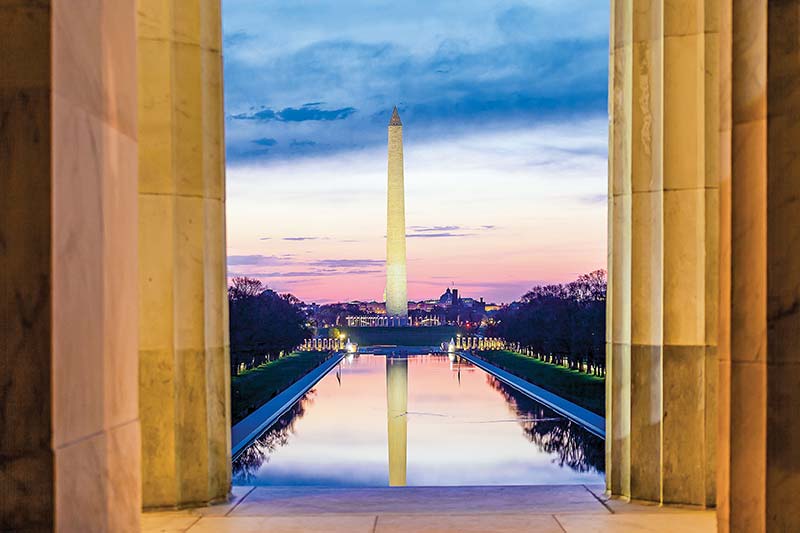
{"points": [[557, 509]]}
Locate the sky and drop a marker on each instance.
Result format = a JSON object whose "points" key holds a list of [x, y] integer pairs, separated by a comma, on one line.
{"points": [[504, 109]]}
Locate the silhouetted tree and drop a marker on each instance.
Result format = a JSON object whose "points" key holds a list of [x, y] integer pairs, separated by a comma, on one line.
{"points": [[244, 287], [561, 323], [263, 323]]}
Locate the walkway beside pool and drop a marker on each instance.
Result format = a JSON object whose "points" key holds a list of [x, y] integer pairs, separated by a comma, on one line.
{"points": [[545, 509]]}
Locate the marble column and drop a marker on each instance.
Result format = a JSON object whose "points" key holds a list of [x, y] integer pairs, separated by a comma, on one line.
{"points": [[759, 462], [184, 350], [69, 436], [618, 331], [661, 393]]}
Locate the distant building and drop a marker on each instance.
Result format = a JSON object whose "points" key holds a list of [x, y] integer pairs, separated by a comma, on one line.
{"points": [[449, 298]]}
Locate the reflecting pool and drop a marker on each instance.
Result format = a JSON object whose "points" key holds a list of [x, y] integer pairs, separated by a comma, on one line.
{"points": [[420, 420]]}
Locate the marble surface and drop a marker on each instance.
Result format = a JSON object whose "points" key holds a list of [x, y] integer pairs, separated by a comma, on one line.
{"points": [[68, 146], [574, 508], [94, 296], [183, 321], [662, 229], [760, 361], [69, 108], [27, 469]]}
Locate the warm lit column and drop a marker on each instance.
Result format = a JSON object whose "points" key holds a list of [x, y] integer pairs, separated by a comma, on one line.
{"points": [[397, 418], [689, 284], [647, 254], [663, 225], [618, 332], [759, 358], [69, 436], [184, 384]]}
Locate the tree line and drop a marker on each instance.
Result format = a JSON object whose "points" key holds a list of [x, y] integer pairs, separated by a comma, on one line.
{"points": [[560, 323], [263, 324]]}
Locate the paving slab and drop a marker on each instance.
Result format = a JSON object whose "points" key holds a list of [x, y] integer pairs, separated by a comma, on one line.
{"points": [[285, 524], [542, 499], [654, 522], [238, 493], [620, 505], [168, 521], [557, 508], [496, 523]]}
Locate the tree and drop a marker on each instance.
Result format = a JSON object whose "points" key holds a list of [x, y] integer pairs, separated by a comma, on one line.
{"points": [[561, 323], [263, 323], [244, 287]]}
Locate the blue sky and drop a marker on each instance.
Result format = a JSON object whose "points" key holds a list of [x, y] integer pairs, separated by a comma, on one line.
{"points": [[506, 93]]}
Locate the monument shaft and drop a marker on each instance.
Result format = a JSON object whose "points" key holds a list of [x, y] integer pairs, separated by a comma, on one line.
{"points": [[396, 297]]}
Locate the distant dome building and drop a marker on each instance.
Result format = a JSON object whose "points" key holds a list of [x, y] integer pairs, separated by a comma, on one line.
{"points": [[449, 298]]}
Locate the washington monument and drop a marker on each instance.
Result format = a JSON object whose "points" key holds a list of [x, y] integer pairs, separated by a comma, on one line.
{"points": [[396, 299]]}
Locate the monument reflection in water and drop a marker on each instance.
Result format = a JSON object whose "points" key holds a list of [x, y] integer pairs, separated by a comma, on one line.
{"points": [[422, 420], [397, 418]]}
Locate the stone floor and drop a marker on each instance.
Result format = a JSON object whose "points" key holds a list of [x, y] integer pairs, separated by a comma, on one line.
{"points": [[558, 509]]}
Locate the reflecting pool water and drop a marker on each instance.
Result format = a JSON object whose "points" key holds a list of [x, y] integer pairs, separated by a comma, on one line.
{"points": [[420, 420]]}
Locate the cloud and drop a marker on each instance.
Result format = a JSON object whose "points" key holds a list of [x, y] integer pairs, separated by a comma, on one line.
{"points": [[423, 229], [496, 284], [237, 38], [316, 265], [302, 144], [315, 273], [260, 260], [492, 291], [347, 263], [301, 114], [593, 198], [313, 113], [459, 68], [305, 238], [438, 235], [438, 232]]}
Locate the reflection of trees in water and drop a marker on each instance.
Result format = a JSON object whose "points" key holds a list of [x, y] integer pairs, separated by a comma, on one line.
{"points": [[247, 465], [554, 434]]}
